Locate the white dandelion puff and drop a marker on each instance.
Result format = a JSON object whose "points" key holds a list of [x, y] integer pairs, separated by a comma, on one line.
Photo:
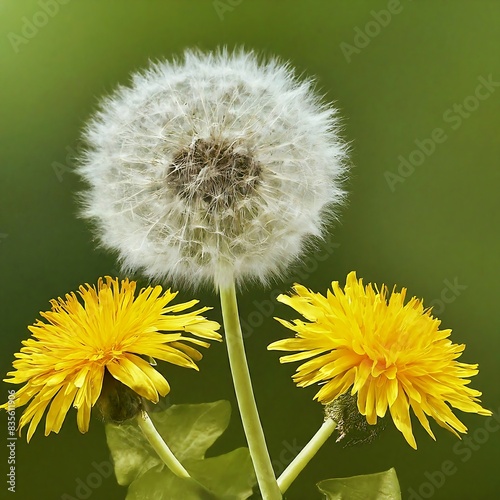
{"points": [[215, 168]]}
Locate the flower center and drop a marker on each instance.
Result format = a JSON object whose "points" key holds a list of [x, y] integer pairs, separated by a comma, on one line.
{"points": [[104, 356], [214, 174]]}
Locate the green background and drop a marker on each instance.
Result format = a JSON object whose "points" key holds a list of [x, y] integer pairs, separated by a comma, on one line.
{"points": [[441, 223]]}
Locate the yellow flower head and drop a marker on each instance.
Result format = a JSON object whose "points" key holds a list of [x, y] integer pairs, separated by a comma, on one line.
{"points": [[390, 354], [110, 333]]}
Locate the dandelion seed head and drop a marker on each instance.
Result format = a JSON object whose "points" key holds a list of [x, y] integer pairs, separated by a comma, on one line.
{"points": [[211, 168]]}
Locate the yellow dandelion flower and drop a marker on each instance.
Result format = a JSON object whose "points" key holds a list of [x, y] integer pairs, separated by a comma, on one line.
{"points": [[106, 331], [388, 353]]}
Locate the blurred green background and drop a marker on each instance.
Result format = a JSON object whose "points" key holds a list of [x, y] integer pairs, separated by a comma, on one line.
{"points": [[397, 70]]}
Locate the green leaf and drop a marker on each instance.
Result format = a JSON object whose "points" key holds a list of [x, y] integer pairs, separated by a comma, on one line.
{"points": [[230, 476], [189, 430], [226, 477], [380, 486], [159, 483], [132, 454]]}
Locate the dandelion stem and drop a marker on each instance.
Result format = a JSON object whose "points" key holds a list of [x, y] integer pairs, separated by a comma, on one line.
{"points": [[156, 441], [307, 453], [168, 458], [244, 394]]}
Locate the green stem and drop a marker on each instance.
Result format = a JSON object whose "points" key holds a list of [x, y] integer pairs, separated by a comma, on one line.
{"points": [[244, 394], [168, 458], [303, 458], [156, 441]]}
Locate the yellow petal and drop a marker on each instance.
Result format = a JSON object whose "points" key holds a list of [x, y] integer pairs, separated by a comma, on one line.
{"points": [[58, 409]]}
